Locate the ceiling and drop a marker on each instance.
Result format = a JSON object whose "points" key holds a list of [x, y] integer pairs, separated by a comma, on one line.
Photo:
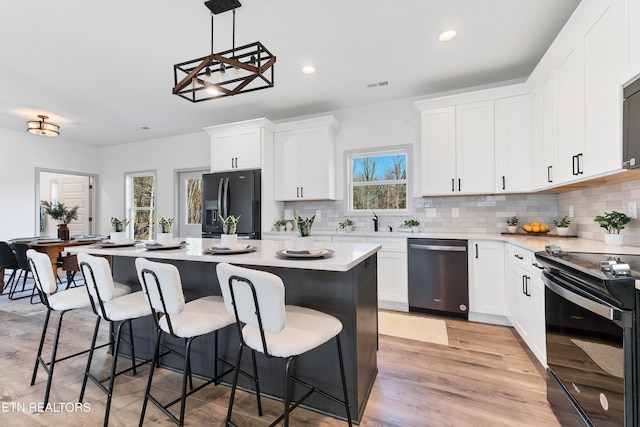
{"points": [[103, 71]]}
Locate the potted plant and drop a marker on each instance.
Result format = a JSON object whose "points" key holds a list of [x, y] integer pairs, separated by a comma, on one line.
{"points": [[562, 226], [305, 241], [613, 222], [62, 214], [413, 224], [512, 224], [117, 226], [165, 230], [229, 238], [346, 225], [280, 224]]}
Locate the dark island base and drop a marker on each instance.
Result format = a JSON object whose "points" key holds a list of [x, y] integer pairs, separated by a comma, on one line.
{"points": [[350, 296]]}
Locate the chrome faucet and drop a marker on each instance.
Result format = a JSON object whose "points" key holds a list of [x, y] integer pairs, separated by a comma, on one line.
{"points": [[375, 222]]}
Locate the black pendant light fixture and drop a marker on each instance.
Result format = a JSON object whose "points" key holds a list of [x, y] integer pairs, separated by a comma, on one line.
{"points": [[237, 70], [43, 128]]}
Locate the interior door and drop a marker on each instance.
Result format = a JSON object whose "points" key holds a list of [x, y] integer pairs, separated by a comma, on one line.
{"points": [[72, 191], [190, 204]]}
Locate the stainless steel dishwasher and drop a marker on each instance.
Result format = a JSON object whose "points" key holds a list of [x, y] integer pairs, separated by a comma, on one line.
{"points": [[438, 276]]}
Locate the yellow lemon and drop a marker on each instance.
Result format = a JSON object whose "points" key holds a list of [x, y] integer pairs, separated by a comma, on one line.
{"points": [[535, 228], [527, 227]]}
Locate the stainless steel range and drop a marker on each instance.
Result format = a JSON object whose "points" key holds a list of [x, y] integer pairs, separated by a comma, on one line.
{"points": [[591, 316]]}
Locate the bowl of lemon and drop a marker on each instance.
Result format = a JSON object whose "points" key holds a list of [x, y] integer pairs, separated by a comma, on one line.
{"points": [[536, 228]]}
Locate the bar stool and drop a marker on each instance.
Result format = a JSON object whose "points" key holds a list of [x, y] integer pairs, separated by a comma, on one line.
{"points": [[40, 266], [114, 308], [8, 261], [268, 326], [188, 321]]}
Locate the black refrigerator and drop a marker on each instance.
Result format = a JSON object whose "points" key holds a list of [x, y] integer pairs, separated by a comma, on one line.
{"points": [[231, 193]]}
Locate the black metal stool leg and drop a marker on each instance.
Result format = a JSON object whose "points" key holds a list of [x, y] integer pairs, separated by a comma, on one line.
{"points": [[344, 381], [52, 364], [114, 362], [44, 334], [90, 358], [154, 363], [234, 385], [256, 381]]}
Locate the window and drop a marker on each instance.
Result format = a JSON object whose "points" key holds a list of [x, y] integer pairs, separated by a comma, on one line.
{"points": [[141, 203], [378, 181], [194, 201]]}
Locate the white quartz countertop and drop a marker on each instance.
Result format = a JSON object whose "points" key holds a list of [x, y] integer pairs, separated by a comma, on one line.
{"points": [[534, 243], [346, 256]]}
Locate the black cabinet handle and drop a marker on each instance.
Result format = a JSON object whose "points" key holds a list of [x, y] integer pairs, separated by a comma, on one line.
{"points": [[527, 281], [504, 183], [301, 191], [523, 284], [459, 184], [518, 256], [549, 174], [578, 157], [297, 191], [477, 251], [453, 184], [574, 165]]}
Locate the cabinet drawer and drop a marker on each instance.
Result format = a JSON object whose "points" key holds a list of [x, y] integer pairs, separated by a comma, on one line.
{"points": [[389, 244], [527, 260]]}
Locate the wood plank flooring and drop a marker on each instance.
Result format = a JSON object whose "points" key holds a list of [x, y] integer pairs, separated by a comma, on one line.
{"points": [[485, 377]]}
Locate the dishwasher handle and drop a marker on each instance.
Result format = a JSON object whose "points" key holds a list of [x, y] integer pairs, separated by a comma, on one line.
{"points": [[443, 248]]}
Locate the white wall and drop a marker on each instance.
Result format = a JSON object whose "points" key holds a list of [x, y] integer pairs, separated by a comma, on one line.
{"points": [[164, 156], [22, 153]]}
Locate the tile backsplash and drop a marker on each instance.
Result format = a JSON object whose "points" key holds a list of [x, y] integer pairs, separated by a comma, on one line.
{"points": [[488, 214]]}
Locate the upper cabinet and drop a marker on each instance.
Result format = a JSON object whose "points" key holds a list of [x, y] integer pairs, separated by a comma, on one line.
{"points": [[238, 146], [512, 144], [576, 98], [304, 160], [629, 40], [476, 147]]}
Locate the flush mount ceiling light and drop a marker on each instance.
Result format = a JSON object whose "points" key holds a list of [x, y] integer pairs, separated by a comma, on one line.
{"points": [[447, 35], [308, 69], [237, 70], [43, 128]]}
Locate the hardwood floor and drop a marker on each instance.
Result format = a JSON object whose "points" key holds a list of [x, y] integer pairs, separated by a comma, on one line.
{"points": [[485, 377]]}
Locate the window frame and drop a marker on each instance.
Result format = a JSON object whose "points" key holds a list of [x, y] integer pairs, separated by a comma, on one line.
{"points": [[378, 152], [129, 208]]}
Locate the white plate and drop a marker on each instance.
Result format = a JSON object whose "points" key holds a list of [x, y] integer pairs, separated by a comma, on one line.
{"points": [[110, 244], [237, 247], [153, 246], [223, 251], [314, 253]]}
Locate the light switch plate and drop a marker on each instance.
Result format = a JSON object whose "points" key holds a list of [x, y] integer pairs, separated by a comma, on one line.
{"points": [[455, 213], [318, 215], [633, 210]]}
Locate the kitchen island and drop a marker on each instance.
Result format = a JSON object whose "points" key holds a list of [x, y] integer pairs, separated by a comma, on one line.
{"points": [[343, 285]]}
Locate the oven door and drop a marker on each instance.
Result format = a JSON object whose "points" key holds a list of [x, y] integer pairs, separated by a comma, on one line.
{"points": [[586, 352]]}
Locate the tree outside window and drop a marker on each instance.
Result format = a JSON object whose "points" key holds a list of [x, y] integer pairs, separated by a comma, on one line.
{"points": [[194, 201], [141, 202], [378, 181]]}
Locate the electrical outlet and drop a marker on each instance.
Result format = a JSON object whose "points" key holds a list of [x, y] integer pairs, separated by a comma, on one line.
{"points": [[633, 210], [318, 215], [455, 213], [431, 212], [571, 211]]}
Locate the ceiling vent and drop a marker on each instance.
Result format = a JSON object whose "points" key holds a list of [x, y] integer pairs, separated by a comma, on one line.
{"points": [[379, 84]]}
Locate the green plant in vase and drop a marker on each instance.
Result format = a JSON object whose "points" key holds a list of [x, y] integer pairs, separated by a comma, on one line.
{"points": [[304, 225], [62, 214], [229, 238], [118, 225], [165, 224], [613, 222]]}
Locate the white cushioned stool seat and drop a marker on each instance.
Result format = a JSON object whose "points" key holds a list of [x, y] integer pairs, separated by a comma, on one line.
{"points": [[199, 317], [305, 329], [131, 306]]}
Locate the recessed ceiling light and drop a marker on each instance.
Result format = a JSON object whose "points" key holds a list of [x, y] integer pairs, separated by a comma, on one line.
{"points": [[308, 69], [447, 35]]}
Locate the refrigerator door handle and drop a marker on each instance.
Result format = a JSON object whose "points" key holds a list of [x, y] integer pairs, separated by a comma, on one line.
{"points": [[226, 197], [220, 188]]}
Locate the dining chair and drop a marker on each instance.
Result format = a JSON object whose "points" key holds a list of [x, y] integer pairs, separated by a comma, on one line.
{"points": [[8, 261]]}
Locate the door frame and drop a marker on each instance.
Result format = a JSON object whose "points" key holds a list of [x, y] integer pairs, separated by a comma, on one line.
{"points": [[93, 196], [176, 192]]}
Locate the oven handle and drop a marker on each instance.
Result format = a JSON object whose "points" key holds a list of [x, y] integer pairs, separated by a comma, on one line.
{"points": [[587, 304]]}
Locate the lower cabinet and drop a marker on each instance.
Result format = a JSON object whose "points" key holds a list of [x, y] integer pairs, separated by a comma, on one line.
{"points": [[525, 299], [487, 282]]}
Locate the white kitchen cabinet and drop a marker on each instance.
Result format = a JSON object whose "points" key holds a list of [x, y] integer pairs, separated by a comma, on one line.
{"points": [[513, 144], [487, 282], [629, 40], [510, 279], [238, 146], [570, 122], [393, 288], [603, 145], [458, 149], [525, 281], [304, 160]]}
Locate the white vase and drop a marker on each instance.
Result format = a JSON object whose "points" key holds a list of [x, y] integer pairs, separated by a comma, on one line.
{"points": [[512, 228], [562, 231], [304, 243], [118, 236], [164, 238], [282, 227], [229, 241], [614, 239]]}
